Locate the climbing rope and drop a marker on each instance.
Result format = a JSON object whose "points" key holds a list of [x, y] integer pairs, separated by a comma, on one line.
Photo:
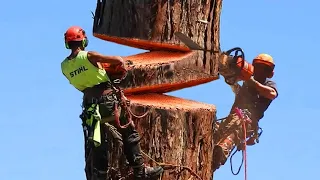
{"points": [[245, 120], [232, 165], [124, 104], [173, 165]]}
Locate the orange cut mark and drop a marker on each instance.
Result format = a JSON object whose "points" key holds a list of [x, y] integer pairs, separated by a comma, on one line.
{"points": [[169, 87], [143, 44], [155, 57], [169, 102]]}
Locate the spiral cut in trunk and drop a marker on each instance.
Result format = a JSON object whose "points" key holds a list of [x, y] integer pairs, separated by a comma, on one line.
{"points": [[162, 71], [151, 24], [175, 131]]}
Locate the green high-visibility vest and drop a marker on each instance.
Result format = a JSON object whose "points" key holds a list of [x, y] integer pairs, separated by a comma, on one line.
{"points": [[81, 73]]}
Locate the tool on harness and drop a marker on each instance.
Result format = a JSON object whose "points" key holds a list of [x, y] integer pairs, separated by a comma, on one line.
{"points": [[234, 67], [91, 125]]}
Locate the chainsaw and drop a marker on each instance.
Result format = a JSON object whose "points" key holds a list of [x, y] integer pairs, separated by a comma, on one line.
{"points": [[233, 68]]}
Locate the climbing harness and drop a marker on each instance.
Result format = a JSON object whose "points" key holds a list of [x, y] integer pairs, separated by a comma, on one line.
{"points": [[125, 104], [245, 120], [240, 117], [91, 120]]}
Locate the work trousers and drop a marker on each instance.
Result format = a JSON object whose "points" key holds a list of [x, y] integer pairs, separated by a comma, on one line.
{"points": [[130, 137], [229, 134]]}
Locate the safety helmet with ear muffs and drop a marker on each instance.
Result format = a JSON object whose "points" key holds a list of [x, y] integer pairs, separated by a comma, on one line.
{"points": [[75, 33], [267, 60]]}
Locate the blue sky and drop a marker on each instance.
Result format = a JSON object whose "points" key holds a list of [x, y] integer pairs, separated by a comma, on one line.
{"points": [[41, 132]]}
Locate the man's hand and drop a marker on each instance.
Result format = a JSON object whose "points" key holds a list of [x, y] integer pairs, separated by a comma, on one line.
{"points": [[252, 82], [263, 90], [124, 64]]}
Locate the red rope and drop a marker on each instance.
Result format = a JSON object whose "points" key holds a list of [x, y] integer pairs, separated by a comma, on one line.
{"points": [[244, 152], [127, 110], [245, 149]]}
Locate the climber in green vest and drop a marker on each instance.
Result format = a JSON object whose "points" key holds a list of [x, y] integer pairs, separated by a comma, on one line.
{"points": [[84, 71]]}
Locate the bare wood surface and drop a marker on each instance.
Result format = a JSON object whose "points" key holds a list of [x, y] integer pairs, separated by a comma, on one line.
{"points": [[162, 71]]}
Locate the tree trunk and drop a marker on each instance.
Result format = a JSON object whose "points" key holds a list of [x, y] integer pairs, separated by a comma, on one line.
{"points": [[151, 24], [175, 131], [163, 71]]}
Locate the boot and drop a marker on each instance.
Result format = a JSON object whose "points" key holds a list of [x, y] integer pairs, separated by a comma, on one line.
{"points": [[146, 172]]}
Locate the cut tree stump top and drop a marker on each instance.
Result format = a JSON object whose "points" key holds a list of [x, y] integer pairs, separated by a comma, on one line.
{"points": [[169, 102]]}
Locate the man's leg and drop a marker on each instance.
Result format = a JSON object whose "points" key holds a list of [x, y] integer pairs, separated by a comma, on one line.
{"points": [[132, 150], [99, 158], [227, 137]]}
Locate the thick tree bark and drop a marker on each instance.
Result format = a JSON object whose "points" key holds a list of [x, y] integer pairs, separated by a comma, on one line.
{"points": [[163, 71], [175, 131], [151, 24]]}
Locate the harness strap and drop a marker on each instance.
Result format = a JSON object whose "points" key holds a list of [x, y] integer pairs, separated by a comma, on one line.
{"points": [[124, 103]]}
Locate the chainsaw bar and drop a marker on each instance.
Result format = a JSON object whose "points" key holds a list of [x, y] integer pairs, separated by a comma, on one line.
{"points": [[191, 44]]}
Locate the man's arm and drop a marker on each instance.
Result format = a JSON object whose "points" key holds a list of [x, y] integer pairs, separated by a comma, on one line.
{"points": [[235, 88], [268, 91], [95, 58]]}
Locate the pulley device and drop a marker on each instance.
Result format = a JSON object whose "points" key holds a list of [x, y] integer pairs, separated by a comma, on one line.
{"points": [[234, 67]]}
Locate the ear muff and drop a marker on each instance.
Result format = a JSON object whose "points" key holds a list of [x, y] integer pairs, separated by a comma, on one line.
{"points": [[65, 42], [66, 45], [270, 75], [85, 42]]}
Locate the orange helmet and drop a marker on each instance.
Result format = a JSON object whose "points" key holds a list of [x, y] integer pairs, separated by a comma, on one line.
{"points": [[265, 59], [75, 33]]}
